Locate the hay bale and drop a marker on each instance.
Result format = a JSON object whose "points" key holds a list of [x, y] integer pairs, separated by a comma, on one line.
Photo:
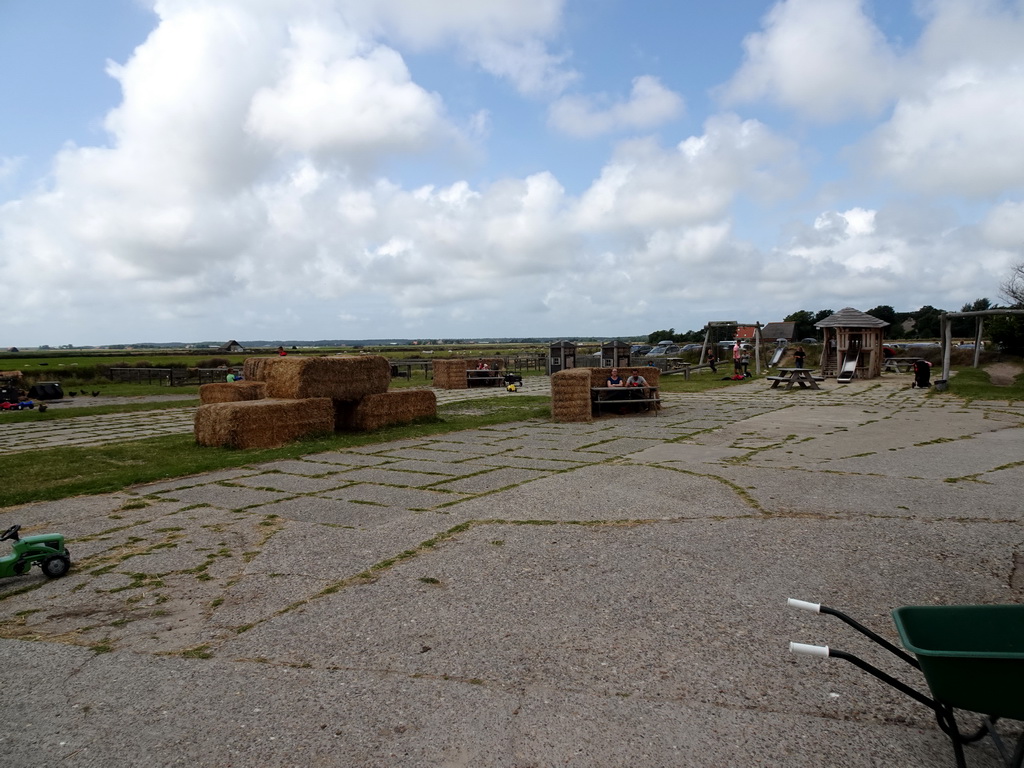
{"points": [[570, 395], [254, 367], [340, 377], [451, 374], [384, 409], [262, 423], [232, 392]]}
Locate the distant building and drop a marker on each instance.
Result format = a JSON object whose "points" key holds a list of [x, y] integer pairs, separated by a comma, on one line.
{"points": [[773, 331], [231, 346]]}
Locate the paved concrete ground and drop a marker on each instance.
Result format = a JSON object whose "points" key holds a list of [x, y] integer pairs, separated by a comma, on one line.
{"points": [[534, 594]]}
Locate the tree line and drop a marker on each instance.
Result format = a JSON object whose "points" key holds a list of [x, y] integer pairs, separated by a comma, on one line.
{"points": [[1003, 330]]}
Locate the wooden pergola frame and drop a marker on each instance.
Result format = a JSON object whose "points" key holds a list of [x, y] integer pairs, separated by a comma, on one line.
{"points": [[946, 325]]}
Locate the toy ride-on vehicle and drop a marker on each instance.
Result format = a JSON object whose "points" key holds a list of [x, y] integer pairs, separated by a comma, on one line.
{"points": [[46, 550]]}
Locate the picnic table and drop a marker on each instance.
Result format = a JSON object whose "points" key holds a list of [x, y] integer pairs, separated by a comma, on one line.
{"points": [[899, 364], [484, 378], [789, 376], [625, 397]]}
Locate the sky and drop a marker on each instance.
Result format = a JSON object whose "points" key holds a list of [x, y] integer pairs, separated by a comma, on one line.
{"points": [[187, 170]]}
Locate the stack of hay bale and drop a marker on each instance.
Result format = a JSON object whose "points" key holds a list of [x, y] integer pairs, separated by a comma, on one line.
{"points": [[451, 374], [570, 390], [284, 398]]}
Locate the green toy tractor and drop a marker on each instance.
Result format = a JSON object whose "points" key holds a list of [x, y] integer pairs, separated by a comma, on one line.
{"points": [[46, 550]]}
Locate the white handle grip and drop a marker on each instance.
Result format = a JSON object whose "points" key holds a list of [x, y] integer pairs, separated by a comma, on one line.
{"points": [[804, 605], [810, 650]]}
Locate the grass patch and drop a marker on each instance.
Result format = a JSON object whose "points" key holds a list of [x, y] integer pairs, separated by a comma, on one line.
{"points": [[974, 384], [58, 413], [700, 381], [58, 473]]}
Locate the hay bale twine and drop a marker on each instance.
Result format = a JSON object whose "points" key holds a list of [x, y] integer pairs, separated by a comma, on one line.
{"points": [[262, 423], [232, 392], [384, 409], [570, 395], [339, 377]]}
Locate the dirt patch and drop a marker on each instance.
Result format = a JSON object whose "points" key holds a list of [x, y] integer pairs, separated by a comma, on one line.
{"points": [[1003, 374]]}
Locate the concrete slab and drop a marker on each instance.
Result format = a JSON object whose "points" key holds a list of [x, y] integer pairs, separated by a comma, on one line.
{"points": [[388, 496]]}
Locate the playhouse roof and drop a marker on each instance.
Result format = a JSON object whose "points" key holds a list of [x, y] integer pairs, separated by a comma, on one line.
{"points": [[850, 318]]}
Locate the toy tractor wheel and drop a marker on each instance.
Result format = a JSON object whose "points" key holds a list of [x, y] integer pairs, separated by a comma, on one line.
{"points": [[55, 567]]}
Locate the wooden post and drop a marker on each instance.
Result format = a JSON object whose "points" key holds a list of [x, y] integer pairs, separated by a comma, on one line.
{"points": [[757, 348], [946, 326], [977, 340]]}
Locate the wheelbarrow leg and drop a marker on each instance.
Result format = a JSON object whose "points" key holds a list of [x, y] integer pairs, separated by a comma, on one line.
{"points": [[1011, 761]]}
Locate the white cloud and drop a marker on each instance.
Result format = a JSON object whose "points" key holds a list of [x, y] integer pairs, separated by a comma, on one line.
{"points": [[647, 186], [508, 38], [823, 58], [1003, 227], [341, 95], [650, 104], [961, 137]]}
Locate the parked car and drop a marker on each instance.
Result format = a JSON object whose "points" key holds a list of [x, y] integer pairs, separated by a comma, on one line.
{"points": [[690, 347], [661, 351], [640, 349]]}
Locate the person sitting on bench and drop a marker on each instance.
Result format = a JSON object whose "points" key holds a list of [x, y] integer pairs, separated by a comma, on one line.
{"points": [[636, 380]]}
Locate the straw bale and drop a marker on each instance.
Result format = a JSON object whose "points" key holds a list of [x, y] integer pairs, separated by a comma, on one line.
{"points": [[451, 374], [17, 378], [254, 368], [339, 377], [232, 391], [570, 395], [385, 409], [262, 423]]}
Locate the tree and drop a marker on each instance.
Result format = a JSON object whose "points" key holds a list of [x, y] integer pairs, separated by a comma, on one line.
{"points": [[884, 312], [964, 326], [926, 322], [804, 323], [1013, 288]]}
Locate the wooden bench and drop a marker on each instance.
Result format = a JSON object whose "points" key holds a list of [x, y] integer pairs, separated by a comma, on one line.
{"points": [[484, 378], [653, 403]]}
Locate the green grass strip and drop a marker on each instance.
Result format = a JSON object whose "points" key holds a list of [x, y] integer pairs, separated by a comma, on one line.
{"points": [[974, 384], [57, 473]]}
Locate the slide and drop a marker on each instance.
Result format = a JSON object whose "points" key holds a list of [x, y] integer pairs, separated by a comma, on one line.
{"points": [[776, 357], [849, 367]]}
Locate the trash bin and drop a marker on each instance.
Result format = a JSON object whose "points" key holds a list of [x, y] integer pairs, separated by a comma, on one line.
{"points": [[941, 385]]}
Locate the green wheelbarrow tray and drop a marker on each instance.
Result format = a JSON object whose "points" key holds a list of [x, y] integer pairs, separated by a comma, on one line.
{"points": [[972, 656]]}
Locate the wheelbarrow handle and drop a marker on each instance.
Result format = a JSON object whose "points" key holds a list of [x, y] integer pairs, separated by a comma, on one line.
{"points": [[874, 636], [809, 650], [804, 605]]}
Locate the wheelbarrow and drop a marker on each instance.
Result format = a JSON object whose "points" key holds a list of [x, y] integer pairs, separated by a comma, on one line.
{"points": [[971, 656]]}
